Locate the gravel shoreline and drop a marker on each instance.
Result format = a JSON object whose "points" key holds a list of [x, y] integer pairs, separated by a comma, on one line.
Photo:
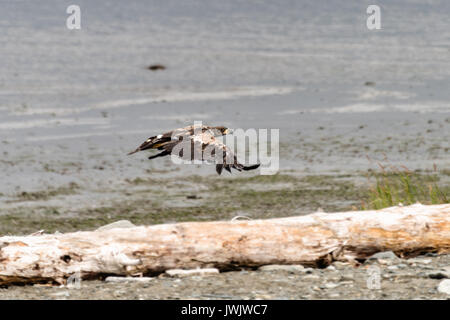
{"points": [[417, 278]]}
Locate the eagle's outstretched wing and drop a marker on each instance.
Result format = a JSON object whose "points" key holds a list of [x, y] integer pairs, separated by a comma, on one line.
{"points": [[157, 142]]}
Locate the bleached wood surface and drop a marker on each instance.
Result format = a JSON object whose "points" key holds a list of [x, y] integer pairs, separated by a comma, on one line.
{"points": [[314, 240]]}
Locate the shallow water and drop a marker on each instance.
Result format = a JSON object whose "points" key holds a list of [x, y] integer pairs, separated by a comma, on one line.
{"points": [[75, 100]]}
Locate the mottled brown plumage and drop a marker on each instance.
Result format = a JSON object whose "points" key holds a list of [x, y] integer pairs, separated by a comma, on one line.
{"points": [[201, 142]]}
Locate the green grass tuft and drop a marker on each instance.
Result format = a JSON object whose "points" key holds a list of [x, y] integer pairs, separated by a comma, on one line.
{"points": [[396, 186]]}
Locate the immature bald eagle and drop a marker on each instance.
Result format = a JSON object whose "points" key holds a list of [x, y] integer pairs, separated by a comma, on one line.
{"points": [[202, 144]]}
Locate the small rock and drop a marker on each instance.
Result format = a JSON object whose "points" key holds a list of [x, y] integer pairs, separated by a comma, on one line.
{"points": [[191, 272], [419, 260], [421, 274], [128, 279], [311, 277], [347, 277], [61, 294], [330, 285], [385, 258], [444, 286], [287, 268], [331, 268], [119, 293], [155, 67], [340, 264], [385, 261], [428, 267], [117, 224], [392, 268], [440, 274], [431, 254], [436, 275], [385, 255]]}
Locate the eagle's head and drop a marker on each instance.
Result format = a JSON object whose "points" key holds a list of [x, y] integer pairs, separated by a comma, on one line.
{"points": [[221, 130]]}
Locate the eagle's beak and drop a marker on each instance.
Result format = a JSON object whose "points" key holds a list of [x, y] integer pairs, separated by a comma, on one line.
{"points": [[228, 131]]}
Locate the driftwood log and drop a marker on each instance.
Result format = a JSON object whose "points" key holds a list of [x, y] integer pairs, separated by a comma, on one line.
{"points": [[314, 240]]}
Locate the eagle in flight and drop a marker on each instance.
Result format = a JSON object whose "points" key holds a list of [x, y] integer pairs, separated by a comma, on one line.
{"points": [[201, 141]]}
